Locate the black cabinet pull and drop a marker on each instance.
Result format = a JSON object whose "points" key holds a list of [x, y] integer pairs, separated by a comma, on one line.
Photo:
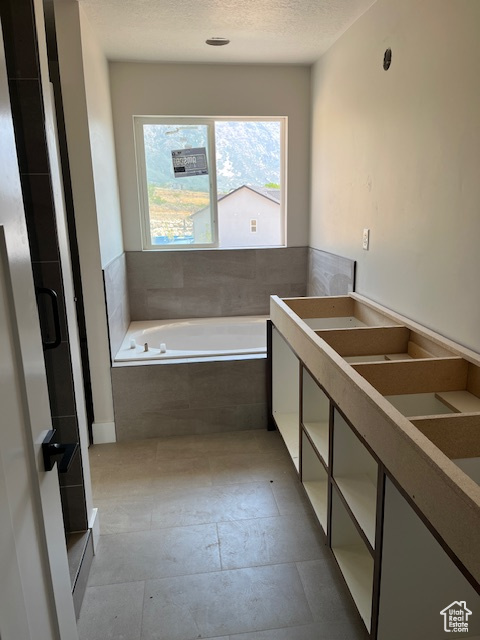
{"points": [[52, 344], [53, 449]]}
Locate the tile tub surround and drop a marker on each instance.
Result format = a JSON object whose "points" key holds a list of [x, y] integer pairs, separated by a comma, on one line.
{"points": [[155, 400], [117, 303], [329, 274], [201, 553], [200, 284]]}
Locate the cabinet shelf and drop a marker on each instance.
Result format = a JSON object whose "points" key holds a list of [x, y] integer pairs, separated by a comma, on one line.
{"points": [[361, 496], [419, 404], [354, 559], [356, 565], [319, 435], [345, 322], [317, 491], [470, 466], [460, 401], [316, 414], [355, 473], [286, 394], [315, 481], [288, 426]]}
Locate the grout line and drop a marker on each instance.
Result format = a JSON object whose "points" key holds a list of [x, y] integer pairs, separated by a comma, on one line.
{"points": [[143, 609], [303, 587], [275, 499], [219, 548]]}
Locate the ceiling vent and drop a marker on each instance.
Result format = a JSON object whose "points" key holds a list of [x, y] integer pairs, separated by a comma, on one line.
{"points": [[217, 42]]}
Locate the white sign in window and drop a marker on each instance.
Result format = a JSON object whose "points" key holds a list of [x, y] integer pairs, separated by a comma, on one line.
{"points": [[189, 162]]}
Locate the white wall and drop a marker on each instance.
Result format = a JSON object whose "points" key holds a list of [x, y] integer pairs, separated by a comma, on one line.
{"points": [[398, 152], [99, 107], [212, 90], [86, 103]]}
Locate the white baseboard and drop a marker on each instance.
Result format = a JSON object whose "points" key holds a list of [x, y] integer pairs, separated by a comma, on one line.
{"points": [[103, 432]]}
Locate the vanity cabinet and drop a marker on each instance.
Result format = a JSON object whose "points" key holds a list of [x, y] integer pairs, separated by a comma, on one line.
{"points": [[286, 394], [382, 420]]}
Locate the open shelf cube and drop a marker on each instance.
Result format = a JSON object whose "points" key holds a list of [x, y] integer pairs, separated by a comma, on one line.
{"points": [[355, 473], [418, 404], [316, 414], [381, 344], [286, 394], [315, 481], [336, 312], [470, 466], [354, 559], [420, 387]]}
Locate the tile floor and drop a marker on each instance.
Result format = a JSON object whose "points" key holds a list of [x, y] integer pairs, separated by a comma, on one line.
{"points": [[209, 536]]}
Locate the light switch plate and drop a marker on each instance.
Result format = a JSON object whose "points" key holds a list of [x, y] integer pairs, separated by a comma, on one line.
{"points": [[366, 239]]}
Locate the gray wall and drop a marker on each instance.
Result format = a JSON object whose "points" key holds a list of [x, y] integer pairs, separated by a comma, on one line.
{"points": [[329, 274], [201, 397], [197, 284]]}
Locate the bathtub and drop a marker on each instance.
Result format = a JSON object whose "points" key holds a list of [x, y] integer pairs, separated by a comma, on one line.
{"points": [[196, 338]]}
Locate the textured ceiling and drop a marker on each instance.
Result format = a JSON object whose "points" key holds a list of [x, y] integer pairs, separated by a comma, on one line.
{"points": [[260, 31]]}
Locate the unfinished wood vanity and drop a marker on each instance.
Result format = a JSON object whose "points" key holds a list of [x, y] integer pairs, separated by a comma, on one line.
{"points": [[381, 417]]}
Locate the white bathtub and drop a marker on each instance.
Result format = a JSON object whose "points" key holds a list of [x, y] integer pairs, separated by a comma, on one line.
{"points": [[194, 338]]}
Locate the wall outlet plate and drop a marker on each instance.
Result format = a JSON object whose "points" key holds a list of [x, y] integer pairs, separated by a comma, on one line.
{"points": [[366, 239]]}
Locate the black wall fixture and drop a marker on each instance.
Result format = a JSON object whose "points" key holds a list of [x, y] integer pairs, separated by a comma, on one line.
{"points": [[387, 59]]}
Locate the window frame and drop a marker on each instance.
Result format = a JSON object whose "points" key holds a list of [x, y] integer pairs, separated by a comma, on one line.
{"points": [[209, 121]]}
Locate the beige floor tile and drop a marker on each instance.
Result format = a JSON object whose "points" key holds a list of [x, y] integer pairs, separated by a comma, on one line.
{"points": [[125, 481], [223, 603], [329, 599], [159, 501], [254, 467], [178, 447], [174, 473], [303, 632], [137, 480], [314, 631], [181, 507], [207, 444], [248, 543], [291, 498], [123, 515], [231, 442], [145, 555], [120, 453], [112, 612], [269, 441]]}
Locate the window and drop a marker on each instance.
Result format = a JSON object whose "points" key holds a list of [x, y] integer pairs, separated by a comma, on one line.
{"points": [[200, 180]]}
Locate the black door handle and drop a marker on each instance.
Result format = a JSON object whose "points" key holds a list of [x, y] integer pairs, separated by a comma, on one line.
{"points": [[52, 344], [53, 449]]}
